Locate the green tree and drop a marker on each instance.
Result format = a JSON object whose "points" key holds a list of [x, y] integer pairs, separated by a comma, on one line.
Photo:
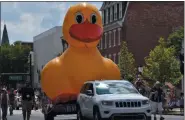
{"points": [[19, 58], [127, 63], [162, 65], [17, 42], [175, 40], [14, 58]]}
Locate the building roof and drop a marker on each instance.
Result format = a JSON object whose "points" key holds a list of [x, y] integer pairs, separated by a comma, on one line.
{"points": [[107, 4], [117, 23], [47, 32]]}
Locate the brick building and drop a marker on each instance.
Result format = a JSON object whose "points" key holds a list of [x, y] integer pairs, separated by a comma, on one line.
{"points": [[140, 24], [112, 17]]}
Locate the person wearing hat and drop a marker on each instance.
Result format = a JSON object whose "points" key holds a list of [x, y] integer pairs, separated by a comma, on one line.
{"points": [[156, 96], [27, 93], [4, 103]]}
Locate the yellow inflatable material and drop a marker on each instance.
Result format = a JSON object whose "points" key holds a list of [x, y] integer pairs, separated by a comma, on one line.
{"points": [[64, 76]]}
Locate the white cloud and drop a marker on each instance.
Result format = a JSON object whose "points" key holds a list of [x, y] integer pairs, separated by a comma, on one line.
{"points": [[60, 6], [29, 23]]}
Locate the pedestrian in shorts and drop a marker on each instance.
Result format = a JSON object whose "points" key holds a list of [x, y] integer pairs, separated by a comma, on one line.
{"points": [[156, 96]]}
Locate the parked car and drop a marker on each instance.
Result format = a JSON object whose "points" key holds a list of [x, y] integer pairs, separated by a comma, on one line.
{"points": [[112, 99]]}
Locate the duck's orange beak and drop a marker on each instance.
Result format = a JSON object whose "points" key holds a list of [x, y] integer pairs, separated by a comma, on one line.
{"points": [[86, 32]]}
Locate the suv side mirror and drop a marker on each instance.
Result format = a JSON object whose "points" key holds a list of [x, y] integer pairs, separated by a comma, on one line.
{"points": [[89, 92]]}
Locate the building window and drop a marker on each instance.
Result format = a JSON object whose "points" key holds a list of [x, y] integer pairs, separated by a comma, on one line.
{"points": [[103, 17], [110, 56], [107, 15], [114, 37], [114, 57], [111, 14], [105, 40], [119, 36], [120, 10], [115, 12], [110, 38]]}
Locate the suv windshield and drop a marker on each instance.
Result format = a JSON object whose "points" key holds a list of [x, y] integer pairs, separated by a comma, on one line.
{"points": [[115, 88]]}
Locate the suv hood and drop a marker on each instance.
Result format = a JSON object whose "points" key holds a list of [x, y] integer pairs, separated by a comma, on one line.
{"points": [[121, 97]]}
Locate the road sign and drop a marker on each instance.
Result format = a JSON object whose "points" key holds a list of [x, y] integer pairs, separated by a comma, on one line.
{"points": [[16, 78]]}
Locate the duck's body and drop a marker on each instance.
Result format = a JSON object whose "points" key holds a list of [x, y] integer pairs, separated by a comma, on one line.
{"points": [[74, 67], [82, 61]]}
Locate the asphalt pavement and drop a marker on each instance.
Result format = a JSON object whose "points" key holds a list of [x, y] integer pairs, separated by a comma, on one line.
{"points": [[37, 115]]}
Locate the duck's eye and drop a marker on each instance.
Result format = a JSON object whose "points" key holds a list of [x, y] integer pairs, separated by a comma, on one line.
{"points": [[93, 18], [79, 17]]}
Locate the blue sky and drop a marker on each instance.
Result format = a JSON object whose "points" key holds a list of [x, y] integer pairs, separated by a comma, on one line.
{"points": [[24, 20]]}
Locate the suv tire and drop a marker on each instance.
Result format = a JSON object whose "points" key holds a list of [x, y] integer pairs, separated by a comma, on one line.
{"points": [[96, 114], [17, 108], [149, 118], [79, 114], [48, 117]]}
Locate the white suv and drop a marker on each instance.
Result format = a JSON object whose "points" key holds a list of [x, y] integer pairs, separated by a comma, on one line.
{"points": [[112, 99]]}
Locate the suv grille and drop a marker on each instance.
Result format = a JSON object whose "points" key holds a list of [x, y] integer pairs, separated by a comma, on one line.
{"points": [[128, 104]]}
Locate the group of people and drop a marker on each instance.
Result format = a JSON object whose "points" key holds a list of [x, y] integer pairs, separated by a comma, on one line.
{"points": [[157, 97], [7, 100]]}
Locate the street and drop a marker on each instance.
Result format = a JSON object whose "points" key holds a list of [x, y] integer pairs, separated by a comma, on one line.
{"points": [[37, 115]]}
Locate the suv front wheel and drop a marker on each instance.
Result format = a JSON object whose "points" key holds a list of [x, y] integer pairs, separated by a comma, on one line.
{"points": [[48, 117], [79, 114], [96, 115]]}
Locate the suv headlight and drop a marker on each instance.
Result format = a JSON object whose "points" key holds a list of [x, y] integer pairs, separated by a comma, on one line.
{"points": [[108, 103], [145, 102]]}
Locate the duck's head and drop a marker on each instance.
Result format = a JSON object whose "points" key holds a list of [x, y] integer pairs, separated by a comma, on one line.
{"points": [[82, 26]]}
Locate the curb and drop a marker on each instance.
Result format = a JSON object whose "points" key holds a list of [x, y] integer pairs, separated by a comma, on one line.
{"points": [[174, 114], [178, 114]]}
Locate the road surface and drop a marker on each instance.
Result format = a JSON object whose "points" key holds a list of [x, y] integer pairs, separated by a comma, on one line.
{"points": [[37, 115]]}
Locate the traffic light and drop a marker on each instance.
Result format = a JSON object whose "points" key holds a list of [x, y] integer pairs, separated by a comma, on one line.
{"points": [[181, 63]]}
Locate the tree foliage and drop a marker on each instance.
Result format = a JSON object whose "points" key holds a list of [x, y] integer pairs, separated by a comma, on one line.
{"points": [[175, 40], [127, 63], [14, 58], [162, 65]]}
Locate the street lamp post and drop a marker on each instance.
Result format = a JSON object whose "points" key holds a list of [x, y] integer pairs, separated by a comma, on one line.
{"points": [[30, 65], [30, 69]]}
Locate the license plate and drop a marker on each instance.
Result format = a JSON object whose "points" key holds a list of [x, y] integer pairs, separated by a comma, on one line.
{"points": [[71, 108], [66, 108]]}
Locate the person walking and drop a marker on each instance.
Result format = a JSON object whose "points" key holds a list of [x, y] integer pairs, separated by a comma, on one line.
{"points": [[4, 103], [156, 96], [181, 102], [12, 101], [27, 100]]}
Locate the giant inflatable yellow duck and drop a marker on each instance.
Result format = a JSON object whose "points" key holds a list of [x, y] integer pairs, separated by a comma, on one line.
{"points": [[63, 76]]}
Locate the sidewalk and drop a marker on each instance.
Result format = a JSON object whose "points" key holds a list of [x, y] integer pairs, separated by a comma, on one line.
{"points": [[175, 111]]}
